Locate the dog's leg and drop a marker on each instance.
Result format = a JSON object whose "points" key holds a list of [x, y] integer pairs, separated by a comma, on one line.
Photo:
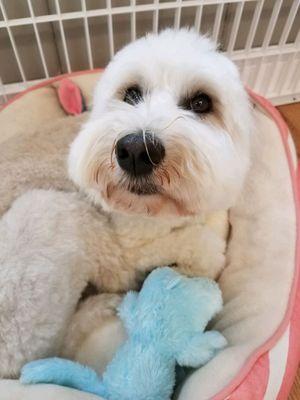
{"points": [[95, 332], [195, 249], [41, 278], [203, 252]]}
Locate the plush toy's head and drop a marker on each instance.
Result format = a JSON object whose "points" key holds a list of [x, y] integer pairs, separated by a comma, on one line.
{"points": [[170, 307]]}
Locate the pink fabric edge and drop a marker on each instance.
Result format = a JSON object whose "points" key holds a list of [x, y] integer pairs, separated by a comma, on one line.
{"points": [[49, 82], [255, 385], [283, 129]]}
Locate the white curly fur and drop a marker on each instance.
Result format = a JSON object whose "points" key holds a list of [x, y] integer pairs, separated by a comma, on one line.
{"points": [[206, 158]]}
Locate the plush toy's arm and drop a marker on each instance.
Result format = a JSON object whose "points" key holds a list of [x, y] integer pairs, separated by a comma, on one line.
{"points": [[200, 349], [62, 372], [126, 310]]}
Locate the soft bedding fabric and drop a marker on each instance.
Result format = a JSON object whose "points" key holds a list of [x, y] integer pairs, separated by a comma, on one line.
{"points": [[258, 283], [258, 280]]}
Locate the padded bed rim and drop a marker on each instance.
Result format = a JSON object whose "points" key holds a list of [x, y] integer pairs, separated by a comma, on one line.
{"points": [[293, 352], [294, 299]]}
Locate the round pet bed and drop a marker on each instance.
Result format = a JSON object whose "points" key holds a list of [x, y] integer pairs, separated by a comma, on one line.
{"points": [[261, 281]]}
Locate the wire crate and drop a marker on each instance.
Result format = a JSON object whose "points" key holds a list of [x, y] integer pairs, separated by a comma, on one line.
{"points": [[44, 38]]}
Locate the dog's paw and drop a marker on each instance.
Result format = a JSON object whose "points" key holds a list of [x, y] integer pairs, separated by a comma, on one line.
{"points": [[202, 253]]}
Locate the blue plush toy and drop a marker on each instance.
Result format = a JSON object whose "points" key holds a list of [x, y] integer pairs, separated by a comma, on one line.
{"points": [[165, 323]]}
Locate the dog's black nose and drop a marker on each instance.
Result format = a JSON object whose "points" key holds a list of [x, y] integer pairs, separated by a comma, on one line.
{"points": [[139, 154]]}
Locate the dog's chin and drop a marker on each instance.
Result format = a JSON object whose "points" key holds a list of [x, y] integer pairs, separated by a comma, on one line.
{"points": [[144, 190], [148, 201]]}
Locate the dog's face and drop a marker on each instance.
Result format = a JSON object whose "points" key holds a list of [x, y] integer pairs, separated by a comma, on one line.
{"points": [[169, 130]]}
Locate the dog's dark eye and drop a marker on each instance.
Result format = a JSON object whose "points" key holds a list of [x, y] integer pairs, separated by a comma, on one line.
{"points": [[201, 103], [133, 95]]}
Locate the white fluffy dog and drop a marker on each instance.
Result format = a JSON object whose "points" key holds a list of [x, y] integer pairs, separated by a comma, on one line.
{"points": [[163, 156]]}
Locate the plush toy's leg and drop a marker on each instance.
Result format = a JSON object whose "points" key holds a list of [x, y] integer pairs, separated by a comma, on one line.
{"points": [[62, 372], [95, 332], [200, 349]]}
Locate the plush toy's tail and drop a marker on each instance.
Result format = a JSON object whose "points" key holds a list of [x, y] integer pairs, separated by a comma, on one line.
{"points": [[63, 372]]}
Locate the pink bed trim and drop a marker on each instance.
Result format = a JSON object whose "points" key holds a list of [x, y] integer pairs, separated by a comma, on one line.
{"points": [[255, 385], [293, 309], [49, 82]]}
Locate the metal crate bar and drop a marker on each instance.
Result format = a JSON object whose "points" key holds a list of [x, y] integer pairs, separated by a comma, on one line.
{"points": [[110, 29], [178, 14], [13, 43], [198, 18], [235, 26], [102, 12], [267, 40], [133, 21], [63, 36], [254, 25], [156, 16], [87, 35], [38, 39], [277, 72], [218, 20]]}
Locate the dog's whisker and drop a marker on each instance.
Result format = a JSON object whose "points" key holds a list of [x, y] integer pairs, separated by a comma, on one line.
{"points": [[167, 175], [121, 133], [163, 173], [146, 147], [112, 151], [160, 177], [153, 136], [172, 122], [107, 192], [94, 175], [98, 171], [98, 176], [175, 170], [207, 163]]}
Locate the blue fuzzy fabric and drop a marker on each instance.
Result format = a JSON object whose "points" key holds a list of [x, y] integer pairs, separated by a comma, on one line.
{"points": [[165, 323]]}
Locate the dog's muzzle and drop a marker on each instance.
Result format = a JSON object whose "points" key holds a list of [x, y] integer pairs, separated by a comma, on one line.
{"points": [[138, 154]]}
